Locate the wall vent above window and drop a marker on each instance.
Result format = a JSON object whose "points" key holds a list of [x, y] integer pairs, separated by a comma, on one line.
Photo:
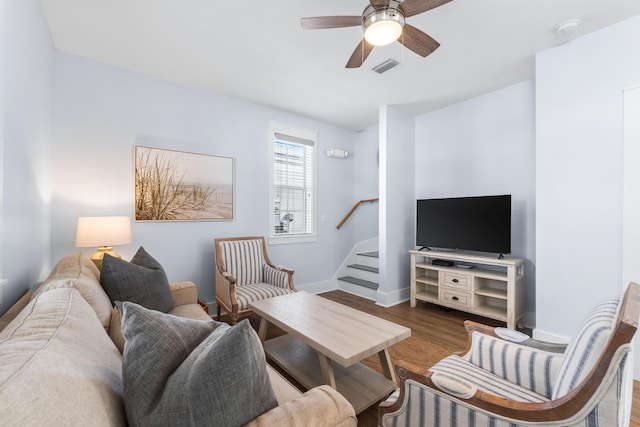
{"points": [[385, 66]]}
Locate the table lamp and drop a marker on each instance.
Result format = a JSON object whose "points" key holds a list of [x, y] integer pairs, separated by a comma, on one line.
{"points": [[103, 232]]}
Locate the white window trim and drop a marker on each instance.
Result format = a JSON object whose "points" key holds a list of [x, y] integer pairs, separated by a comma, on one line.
{"points": [[312, 135]]}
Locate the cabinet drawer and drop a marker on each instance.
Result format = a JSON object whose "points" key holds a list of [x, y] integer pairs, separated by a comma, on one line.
{"points": [[460, 299], [458, 281]]}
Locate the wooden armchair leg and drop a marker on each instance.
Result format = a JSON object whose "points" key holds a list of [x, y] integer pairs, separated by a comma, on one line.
{"points": [[219, 309], [234, 318]]}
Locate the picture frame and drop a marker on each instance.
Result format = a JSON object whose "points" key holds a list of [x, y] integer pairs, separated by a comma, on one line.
{"points": [[173, 185]]}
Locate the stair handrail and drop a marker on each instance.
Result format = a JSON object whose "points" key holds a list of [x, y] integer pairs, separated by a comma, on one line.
{"points": [[353, 209]]}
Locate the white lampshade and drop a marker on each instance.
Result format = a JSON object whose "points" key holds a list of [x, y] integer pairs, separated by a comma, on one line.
{"points": [[94, 231], [103, 232]]}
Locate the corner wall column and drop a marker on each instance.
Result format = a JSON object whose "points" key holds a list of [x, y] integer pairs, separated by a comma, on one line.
{"points": [[631, 200], [397, 204]]}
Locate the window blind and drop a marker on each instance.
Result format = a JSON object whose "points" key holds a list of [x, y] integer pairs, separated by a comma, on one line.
{"points": [[293, 184]]}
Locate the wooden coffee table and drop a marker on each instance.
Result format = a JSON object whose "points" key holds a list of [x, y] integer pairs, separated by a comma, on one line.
{"points": [[325, 342]]}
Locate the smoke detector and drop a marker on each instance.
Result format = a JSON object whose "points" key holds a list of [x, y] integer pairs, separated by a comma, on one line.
{"points": [[566, 30], [568, 26]]}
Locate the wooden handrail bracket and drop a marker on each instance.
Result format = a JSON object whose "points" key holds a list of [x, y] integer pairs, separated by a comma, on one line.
{"points": [[353, 209]]}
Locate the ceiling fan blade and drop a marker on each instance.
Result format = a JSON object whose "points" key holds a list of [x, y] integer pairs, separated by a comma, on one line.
{"points": [[322, 22], [414, 7], [379, 3], [416, 40], [360, 54]]}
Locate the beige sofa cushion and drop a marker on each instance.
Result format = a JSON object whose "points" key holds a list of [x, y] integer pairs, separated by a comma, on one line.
{"points": [[58, 366], [281, 387], [321, 406], [77, 269]]}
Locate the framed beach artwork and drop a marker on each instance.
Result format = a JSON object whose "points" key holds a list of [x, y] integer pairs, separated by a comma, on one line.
{"points": [[173, 185]]}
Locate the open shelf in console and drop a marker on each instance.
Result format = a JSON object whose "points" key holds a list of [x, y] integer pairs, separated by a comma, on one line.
{"points": [[426, 280]]}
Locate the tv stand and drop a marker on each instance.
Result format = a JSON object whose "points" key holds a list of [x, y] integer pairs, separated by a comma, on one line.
{"points": [[494, 288]]}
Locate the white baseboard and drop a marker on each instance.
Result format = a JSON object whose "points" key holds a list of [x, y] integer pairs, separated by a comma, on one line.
{"points": [[530, 319], [550, 337], [319, 287], [389, 299], [359, 291]]}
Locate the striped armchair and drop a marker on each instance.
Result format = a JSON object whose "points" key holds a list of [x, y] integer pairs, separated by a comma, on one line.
{"points": [[244, 273], [502, 383]]}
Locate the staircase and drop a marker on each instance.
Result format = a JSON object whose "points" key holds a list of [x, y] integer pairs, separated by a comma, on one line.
{"points": [[361, 277]]}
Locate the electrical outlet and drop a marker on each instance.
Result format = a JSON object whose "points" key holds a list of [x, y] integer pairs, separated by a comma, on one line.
{"points": [[2, 283]]}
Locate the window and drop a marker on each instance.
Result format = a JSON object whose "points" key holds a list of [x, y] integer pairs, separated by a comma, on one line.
{"points": [[292, 183]]}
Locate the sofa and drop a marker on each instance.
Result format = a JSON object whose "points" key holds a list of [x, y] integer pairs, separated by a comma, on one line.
{"points": [[61, 358]]}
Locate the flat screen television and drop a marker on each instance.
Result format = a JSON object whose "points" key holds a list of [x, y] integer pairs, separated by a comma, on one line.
{"points": [[481, 224]]}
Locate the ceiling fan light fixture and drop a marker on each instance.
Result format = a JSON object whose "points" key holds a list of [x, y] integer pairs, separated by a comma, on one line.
{"points": [[383, 26]]}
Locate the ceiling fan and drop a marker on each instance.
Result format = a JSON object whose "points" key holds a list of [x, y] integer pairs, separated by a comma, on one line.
{"points": [[383, 22]]}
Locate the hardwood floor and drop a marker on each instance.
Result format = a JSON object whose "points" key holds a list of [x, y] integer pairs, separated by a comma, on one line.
{"points": [[441, 326], [427, 321]]}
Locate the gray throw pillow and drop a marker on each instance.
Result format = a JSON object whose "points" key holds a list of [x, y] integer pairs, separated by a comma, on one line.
{"points": [[179, 371], [142, 281]]}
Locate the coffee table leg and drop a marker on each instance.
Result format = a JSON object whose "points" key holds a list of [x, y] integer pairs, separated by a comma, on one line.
{"points": [[385, 363], [328, 376], [262, 330]]}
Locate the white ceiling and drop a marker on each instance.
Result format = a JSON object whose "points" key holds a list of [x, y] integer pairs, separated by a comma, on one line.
{"points": [[257, 51]]}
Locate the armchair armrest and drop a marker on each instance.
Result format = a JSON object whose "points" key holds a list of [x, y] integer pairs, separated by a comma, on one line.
{"points": [[472, 326], [228, 277], [279, 276], [221, 273], [225, 287], [285, 269], [318, 407]]}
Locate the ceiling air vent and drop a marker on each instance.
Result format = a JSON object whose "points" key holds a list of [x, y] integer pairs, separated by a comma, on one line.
{"points": [[385, 66]]}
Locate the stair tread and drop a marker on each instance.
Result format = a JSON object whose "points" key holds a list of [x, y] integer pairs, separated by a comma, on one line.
{"points": [[372, 254], [364, 267], [361, 282]]}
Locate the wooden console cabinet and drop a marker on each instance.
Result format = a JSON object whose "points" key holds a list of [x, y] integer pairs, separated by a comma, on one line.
{"points": [[492, 288]]}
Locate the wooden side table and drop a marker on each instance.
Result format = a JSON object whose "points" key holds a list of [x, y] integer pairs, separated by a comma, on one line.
{"points": [[204, 306]]}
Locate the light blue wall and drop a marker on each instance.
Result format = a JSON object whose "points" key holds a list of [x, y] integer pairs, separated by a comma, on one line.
{"points": [[27, 69], [100, 113], [485, 146], [579, 162], [364, 222]]}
